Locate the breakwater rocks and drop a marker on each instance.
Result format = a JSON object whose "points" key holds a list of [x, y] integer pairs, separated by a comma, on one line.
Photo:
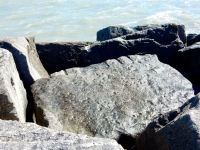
{"points": [[135, 86]]}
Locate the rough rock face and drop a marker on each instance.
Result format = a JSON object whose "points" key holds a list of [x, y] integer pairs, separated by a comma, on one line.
{"points": [[192, 38], [109, 99], [162, 33], [177, 130], [26, 58], [27, 62], [113, 32], [60, 56], [188, 62], [13, 101], [112, 49], [18, 136]]}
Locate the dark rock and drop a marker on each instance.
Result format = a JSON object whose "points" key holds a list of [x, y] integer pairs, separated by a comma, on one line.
{"points": [[62, 55], [15, 135], [162, 33], [112, 49], [192, 38], [113, 32], [188, 62], [110, 99], [13, 100], [27, 62], [177, 130]]}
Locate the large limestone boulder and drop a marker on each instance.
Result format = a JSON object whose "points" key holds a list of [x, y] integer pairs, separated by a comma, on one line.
{"points": [[188, 62], [162, 33], [176, 130], [110, 99], [112, 49], [13, 100], [18, 136], [27, 62], [26, 58], [58, 56]]}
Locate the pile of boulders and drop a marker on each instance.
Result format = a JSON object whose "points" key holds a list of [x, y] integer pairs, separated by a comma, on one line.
{"points": [[135, 88]]}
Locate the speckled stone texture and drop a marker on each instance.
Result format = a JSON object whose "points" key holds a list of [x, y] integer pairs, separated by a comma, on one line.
{"points": [[176, 130], [109, 99], [13, 100], [28, 136]]}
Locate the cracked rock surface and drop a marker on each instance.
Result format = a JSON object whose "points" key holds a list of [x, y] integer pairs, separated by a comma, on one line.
{"points": [[109, 99], [13, 100], [27, 136], [176, 130]]}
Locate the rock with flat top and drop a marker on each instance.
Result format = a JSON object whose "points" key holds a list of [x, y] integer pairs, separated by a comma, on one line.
{"points": [[13, 100], [109, 99], [162, 33], [18, 136], [178, 129], [192, 39]]}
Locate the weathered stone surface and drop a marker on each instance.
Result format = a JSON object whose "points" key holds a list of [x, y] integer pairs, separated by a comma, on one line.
{"points": [[26, 58], [188, 62], [61, 55], [112, 49], [18, 136], [13, 100], [113, 32], [177, 130], [110, 99], [27, 62], [162, 33], [192, 38]]}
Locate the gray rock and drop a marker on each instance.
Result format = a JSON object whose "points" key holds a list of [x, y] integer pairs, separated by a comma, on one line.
{"points": [[13, 100], [162, 33], [61, 55], [177, 130], [112, 49], [110, 99], [192, 38], [188, 62], [27, 62], [26, 58], [113, 32], [27, 136]]}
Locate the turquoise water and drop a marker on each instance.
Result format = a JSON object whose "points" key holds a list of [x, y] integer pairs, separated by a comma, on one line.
{"points": [[79, 20]]}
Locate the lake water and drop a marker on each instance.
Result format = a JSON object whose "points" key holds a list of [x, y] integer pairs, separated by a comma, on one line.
{"points": [[79, 20]]}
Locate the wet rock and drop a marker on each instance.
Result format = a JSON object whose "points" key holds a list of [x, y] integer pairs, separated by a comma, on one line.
{"points": [[59, 56], [112, 49], [177, 129], [15, 135], [27, 62], [13, 100], [110, 99], [162, 33], [192, 38], [188, 62]]}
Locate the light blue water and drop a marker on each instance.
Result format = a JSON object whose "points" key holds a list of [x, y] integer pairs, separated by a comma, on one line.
{"points": [[79, 20]]}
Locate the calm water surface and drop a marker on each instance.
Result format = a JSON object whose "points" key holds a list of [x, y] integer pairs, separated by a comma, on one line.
{"points": [[79, 20]]}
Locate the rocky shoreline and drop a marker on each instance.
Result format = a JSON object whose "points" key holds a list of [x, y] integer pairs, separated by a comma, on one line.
{"points": [[133, 88]]}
